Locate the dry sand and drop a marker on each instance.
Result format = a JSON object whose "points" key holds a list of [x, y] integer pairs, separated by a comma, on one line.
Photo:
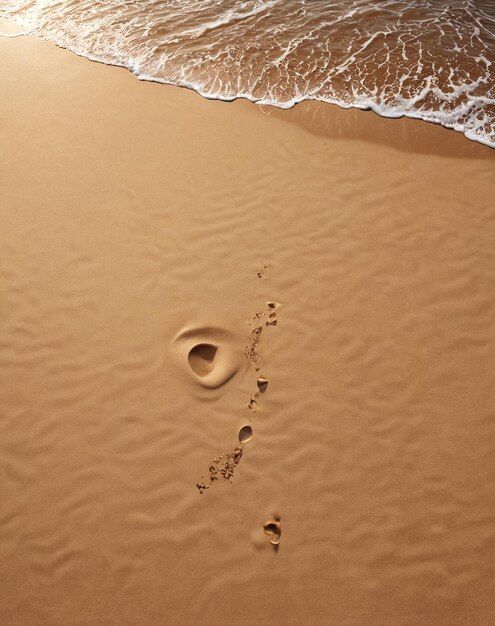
{"points": [[140, 221]]}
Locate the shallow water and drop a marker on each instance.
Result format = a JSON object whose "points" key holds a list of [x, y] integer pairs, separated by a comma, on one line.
{"points": [[422, 59]]}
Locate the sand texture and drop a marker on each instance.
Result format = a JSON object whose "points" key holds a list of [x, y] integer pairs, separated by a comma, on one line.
{"points": [[175, 270]]}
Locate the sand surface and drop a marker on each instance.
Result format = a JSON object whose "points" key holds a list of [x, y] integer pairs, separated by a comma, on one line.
{"points": [[144, 230]]}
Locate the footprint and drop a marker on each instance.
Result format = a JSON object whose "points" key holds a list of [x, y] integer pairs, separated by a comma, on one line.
{"points": [[273, 528], [245, 434], [211, 355], [262, 383], [252, 404], [222, 466], [272, 319]]}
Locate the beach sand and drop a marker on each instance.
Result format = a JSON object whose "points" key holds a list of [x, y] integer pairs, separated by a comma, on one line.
{"points": [[145, 232]]}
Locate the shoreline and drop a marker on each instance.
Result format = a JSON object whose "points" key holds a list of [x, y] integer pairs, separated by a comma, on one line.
{"points": [[308, 104]]}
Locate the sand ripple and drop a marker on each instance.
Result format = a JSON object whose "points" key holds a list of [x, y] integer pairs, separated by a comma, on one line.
{"points": [[373, 442]]}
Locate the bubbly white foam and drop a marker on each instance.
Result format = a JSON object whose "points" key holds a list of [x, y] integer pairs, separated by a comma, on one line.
{"points": [[420, 59]]}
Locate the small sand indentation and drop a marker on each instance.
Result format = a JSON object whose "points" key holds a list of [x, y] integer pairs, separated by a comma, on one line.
{"points": [[273, 529], [245, 434], [262, 383]]}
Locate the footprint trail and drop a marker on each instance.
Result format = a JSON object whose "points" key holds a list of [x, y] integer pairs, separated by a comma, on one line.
{"points": [[201, 361]]}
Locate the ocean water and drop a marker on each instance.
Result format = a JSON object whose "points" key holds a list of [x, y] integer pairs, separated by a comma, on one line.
{"points": [[432, 60]]}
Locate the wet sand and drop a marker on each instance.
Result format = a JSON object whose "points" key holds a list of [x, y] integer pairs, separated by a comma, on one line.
{"points": [[147, 235]]}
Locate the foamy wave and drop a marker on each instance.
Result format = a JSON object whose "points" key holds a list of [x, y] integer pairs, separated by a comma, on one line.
{"points": [[418, 59]]}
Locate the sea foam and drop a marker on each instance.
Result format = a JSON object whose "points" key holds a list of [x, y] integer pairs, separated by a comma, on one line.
{"points": [[419, 59]]}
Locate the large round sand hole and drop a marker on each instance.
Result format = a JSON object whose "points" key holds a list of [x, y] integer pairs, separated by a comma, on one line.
{"points": [[201, 358]]}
